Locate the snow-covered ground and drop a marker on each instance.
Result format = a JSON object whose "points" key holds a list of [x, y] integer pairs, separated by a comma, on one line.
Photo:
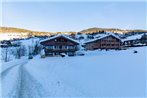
{"points": [[97, 74], [134, 37]]}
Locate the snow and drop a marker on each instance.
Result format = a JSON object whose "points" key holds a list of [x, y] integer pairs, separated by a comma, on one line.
{"points": [[7, 65], [101, 36], [60, 35], [12, 35], [28, 43], [9, 77], [81, 35], [97, 74], [133, 37]]}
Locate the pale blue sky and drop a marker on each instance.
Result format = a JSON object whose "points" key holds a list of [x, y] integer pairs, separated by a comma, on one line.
{"points": [[74, 16]]}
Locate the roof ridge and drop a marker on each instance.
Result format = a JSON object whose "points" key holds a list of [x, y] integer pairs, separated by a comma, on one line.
{"points": [[56, 36], [105, 35]]}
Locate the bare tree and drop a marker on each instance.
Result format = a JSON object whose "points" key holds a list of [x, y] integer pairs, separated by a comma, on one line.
{"points": [[37, 48], [23, 50], [5, 54], [20, 51], [30, 50]]}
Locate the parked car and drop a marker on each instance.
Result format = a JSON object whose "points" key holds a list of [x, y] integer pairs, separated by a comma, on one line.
{"points": [[30, 57], [80, 53], [63, 55]]}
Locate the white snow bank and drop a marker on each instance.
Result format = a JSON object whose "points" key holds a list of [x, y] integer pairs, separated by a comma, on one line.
{"points": [[97, 74]]}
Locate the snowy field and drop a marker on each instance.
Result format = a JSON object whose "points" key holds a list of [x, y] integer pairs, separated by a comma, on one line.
{"points": [[97, 74]]}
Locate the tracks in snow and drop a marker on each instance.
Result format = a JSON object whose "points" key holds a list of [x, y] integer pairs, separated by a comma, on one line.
{"points": [[6, 71], [25, 86]]}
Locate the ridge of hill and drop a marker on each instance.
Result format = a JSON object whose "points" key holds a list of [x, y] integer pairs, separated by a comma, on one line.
{"points": [[85, 31]]}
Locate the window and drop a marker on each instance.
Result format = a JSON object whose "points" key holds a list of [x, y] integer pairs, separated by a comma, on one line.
{"points": [[50, 47], [103, 44], [70, 47], [57, 40], [60, 40], [117, 44], [70, 53], [60, 47], [57, 47], [64, 47], [57, 53], [50, 53]]}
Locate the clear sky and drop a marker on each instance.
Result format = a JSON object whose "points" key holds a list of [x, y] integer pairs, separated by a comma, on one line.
{"points": [[74, 16]]}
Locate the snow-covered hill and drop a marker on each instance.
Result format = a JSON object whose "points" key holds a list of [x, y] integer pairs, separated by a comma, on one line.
{"points": [[97, 74]]}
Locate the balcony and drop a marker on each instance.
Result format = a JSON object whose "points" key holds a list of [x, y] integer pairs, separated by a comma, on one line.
{"points": [[61, 49]]}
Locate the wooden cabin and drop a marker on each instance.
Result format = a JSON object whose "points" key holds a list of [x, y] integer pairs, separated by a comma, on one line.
{"points": [[104, 42], [56, 45]]}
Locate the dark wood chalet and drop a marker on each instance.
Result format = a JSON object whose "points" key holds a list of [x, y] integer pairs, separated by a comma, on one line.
{"points": [[104, 42], [56, 45]]}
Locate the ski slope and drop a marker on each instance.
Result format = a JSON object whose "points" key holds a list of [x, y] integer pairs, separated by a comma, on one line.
{"points": [[97, 74]]}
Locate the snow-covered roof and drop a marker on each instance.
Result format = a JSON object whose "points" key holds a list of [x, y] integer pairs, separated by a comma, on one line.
{"points": [[133, 37], [60, 35], [101, 36]]}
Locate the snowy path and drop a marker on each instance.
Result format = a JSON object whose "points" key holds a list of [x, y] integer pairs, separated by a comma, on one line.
{"points": [[27, 86], [18, 83], [6, 71]]}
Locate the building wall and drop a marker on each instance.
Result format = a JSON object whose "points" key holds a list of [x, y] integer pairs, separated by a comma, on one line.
{"points": [[60, 45], [93, 45], [109, 42]]}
